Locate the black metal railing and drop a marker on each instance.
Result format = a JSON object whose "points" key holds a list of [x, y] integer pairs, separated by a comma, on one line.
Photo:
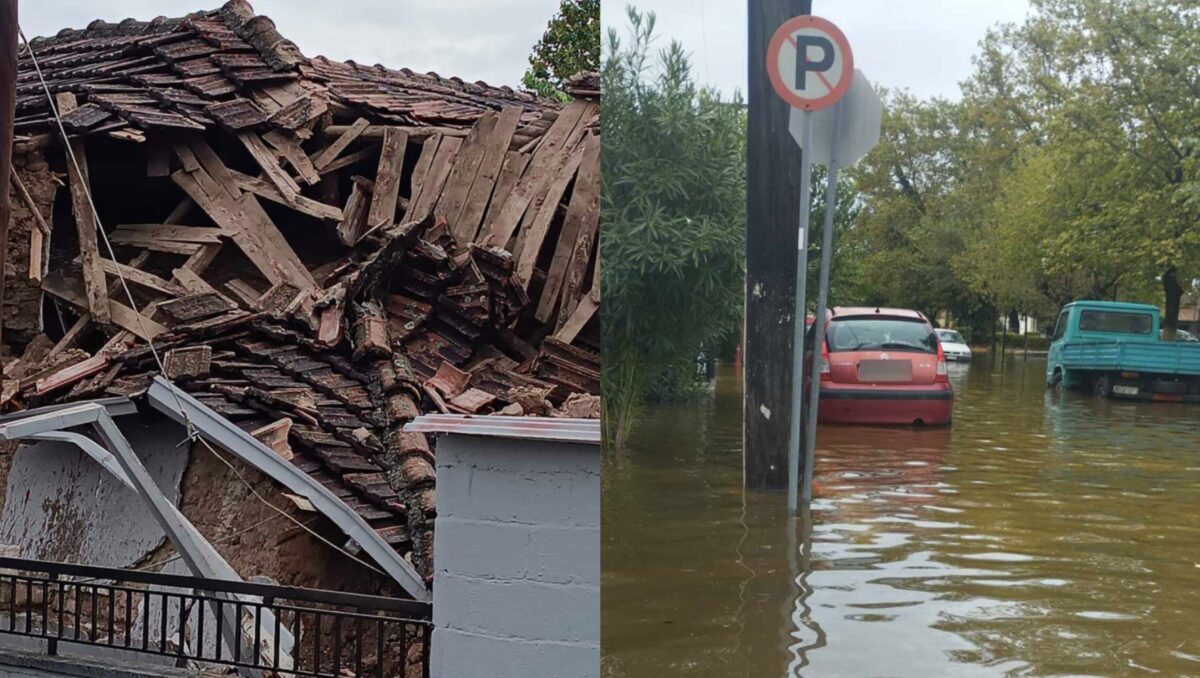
{"points": [[281, 629]]}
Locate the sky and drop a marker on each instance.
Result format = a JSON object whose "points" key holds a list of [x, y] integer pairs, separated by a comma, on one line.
{"points": [[924, 46], [487, 40]]}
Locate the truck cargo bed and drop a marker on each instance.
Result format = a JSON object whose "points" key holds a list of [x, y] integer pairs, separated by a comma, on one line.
{"points": [[1175, 358]]}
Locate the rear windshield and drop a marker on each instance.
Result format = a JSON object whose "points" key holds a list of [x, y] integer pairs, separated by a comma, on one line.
{"points": [[881, 334], [951, 336], [1116, 321]]}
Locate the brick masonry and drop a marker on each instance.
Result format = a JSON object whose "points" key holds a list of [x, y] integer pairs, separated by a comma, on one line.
{"points": [[517, 559]]}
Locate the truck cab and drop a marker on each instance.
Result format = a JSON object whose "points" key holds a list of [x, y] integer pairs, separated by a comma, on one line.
{"points": [[1115, 349]]}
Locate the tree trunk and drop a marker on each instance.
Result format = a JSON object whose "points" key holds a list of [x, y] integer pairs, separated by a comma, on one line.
{"points": [[995, 323], [1172, 293]]}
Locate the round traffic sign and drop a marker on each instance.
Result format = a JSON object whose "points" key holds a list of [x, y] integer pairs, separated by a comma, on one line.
{"points": [[810, 63]]}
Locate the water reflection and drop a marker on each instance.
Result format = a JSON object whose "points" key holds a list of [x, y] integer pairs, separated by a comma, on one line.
{"points": [[1042, 534]]}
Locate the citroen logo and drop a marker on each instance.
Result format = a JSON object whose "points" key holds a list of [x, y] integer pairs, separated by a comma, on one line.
{"points": [[884, 356]]}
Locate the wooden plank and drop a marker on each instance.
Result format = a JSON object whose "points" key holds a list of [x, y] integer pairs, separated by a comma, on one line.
{"points": [[253, 231], [186, 157], [270, 165], [137, 275], [574, 312], [490, 168], [85, 221], [289, 147], [387, 179], [535, 235], [69, 339], [42, 224], [550, 155], [435, 179], [301, 203], [192, 282], [466, 166], [335, 148], [242, 290], [583, 216], [138, 233], [200, 260], [168, 246], [37, 245], [350, 159], [354, 219], [421, 170], [72, 373], [414, 131], [121, 315], [514, 166], [212, 163]]}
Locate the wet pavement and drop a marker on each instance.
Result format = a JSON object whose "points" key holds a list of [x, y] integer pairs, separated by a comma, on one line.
{"points": [[1041, 534]]}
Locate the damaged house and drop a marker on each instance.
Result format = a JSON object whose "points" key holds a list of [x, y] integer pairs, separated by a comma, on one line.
{"points": [[313, 253]]}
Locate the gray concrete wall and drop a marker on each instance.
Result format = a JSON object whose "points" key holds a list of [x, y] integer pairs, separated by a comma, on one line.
{"points": [[62, 505], [516, 589]]}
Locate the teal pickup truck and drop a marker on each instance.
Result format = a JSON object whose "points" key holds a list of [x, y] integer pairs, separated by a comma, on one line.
{"points": [[1115, 350]]}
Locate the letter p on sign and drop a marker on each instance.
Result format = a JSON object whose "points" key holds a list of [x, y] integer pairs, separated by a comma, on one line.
{"points": [[810, 63]]}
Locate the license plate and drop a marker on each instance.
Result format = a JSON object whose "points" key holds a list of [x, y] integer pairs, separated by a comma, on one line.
{"points": [[885, 371], [1125, 390]]}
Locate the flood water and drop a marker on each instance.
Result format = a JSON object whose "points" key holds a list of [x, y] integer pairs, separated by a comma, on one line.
{"points": [[1042, 534]]}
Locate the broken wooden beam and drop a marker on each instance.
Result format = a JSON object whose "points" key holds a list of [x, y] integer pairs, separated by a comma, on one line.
{"points": [[85, 220], [120, 315], [335, 148], [387, 179]]}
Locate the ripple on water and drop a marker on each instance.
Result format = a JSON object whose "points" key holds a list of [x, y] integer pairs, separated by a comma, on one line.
{"points": [[1028, 539], [997, 556]]}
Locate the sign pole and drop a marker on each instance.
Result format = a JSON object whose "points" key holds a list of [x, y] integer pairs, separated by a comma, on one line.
{"points": [[772, 171], [814, 387], [798, 316]]}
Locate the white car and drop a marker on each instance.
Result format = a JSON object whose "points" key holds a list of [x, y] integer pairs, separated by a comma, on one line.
{"points": [[953, 345]]}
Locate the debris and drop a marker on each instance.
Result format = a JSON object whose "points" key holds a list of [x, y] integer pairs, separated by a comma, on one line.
{"points": [[389, 244]]}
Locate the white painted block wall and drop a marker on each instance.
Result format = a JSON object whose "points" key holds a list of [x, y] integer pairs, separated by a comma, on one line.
{"points": [[516, 589]]}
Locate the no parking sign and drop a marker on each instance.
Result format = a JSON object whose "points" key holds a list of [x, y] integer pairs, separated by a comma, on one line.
{"points": [[811, 67], [810, 63]]}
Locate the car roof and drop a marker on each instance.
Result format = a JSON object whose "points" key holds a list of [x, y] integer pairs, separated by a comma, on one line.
{"points": [[1113, 305], [859, 311]]}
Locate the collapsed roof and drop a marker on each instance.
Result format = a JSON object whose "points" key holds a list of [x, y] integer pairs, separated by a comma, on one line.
{"points": [[318, 251]]}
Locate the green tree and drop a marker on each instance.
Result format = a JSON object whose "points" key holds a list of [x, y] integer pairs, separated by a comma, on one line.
{"points": [[1105, 95], [673, 209], [570, 44]]}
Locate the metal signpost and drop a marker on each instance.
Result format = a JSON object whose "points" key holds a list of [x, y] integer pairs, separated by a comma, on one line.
{"points": [[835, 119]]}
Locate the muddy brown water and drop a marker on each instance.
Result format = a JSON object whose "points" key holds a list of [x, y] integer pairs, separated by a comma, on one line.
{"points": [[1042, 534]]}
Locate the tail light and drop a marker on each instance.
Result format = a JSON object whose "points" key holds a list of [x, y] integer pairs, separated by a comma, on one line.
{"points": [[825, 373], [943, 373]]}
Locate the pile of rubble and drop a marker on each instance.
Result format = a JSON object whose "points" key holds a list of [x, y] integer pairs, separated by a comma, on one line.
{"points": [[318, 251]]}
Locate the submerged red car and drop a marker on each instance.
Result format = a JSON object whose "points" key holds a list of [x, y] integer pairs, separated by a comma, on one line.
{"points": [[882, 366]]}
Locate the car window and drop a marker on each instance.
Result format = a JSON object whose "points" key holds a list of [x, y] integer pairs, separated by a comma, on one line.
{"points": [[1060, 328], [950, 336], [880, 334], [1121, 322]]}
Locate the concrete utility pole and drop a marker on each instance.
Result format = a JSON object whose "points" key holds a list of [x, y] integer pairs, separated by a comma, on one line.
{"points": [[8, 111], [772, 203]]}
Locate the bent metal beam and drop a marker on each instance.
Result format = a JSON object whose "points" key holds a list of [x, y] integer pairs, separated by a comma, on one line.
{"points": [[181, 407], [120, 460]]}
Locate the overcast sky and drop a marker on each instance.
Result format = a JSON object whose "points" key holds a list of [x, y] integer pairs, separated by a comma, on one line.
{"points": [[487, 40], [922, 45]]}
